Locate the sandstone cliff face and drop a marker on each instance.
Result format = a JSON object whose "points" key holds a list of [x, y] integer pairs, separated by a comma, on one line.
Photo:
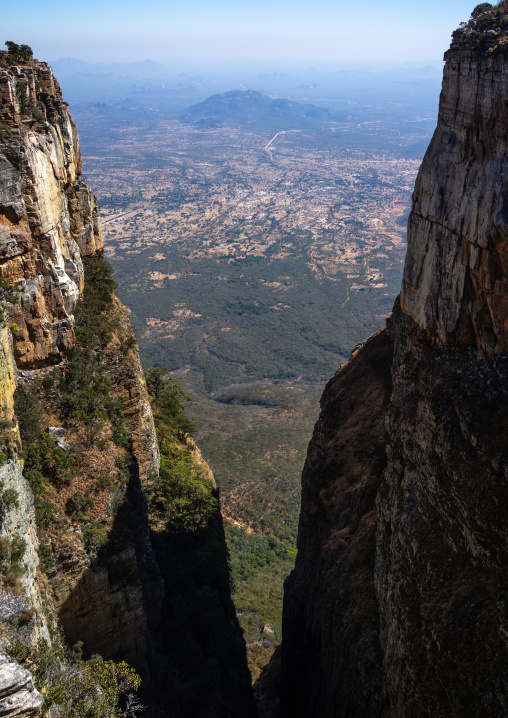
{"points": [[49, 221], [48, 217], [454, 287], [413, 623]]}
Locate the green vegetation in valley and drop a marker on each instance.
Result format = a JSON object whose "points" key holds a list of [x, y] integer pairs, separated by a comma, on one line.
{"points": [[278, 318], [257, 452], [256, 388], [198, 641], [252, 277]]}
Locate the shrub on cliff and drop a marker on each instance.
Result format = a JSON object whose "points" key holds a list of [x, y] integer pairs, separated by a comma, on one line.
{"points": [[18, 53], [481, 8], [181, 496], [486, 21], [168, 396], [46, 560], [75, 688], [79, 503], [97, 298], [94, 537], [29, 413], [48, 460], [12, 551], [8, 500], [85, 389]]}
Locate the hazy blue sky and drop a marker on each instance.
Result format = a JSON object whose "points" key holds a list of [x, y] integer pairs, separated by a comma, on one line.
{"points": [[281, 30]]}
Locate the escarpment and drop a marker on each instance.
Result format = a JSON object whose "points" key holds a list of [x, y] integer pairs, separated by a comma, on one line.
{"points": [[454, 287], [397, 604], [48, 216], [49, 226], [96, 549]]}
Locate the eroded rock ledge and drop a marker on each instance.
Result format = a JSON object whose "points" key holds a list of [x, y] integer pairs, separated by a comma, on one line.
{"points": [[18, 697]]}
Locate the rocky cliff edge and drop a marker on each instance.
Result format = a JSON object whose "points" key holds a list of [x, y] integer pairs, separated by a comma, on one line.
{"points": [[49, 224], [397, 604]]}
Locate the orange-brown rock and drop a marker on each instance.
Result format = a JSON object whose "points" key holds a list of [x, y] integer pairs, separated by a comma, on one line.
{"points": [[48, 217], [49, 220]]}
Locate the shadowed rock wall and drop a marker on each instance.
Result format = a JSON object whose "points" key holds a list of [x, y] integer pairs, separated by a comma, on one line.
{"points": [[412, 620]]}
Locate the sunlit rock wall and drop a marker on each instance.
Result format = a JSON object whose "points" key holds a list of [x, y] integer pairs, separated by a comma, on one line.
{"points": [[48, 217]]}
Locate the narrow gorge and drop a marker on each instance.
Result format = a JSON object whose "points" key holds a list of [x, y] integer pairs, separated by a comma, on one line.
{"points": [[114, 570]]}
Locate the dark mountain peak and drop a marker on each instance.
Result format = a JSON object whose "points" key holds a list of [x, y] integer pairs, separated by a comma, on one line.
{"points": [[257, 110]]}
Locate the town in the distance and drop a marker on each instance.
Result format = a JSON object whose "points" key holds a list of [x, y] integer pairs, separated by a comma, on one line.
{"points": [[257, 237]]}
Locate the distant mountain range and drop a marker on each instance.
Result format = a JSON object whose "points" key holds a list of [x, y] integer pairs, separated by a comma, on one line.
{"points": [[257, 110], [71, 65]]}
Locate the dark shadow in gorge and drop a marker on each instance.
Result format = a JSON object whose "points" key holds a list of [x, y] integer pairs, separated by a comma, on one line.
{"points": [[200, 666], [161, 601]]}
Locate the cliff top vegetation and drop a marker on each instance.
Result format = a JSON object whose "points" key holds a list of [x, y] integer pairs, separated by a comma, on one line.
{"points": [[487, 28], [16, 54]]}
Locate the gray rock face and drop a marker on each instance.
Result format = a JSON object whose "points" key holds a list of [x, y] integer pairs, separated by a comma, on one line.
{"points": [[18, 696], [56, 432], [20, 521], [331, 653], [442, 536], [455, 288]]}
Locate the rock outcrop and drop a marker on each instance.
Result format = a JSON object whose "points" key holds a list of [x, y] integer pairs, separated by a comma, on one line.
{"points": [[397, 604], [454, 288], [331, 620], [18, 696], [48, 216], [49, 221]]}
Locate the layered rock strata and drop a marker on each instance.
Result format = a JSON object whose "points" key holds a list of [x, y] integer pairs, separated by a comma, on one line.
{"points": [[49, 221], [454, 287], [18, 696], [78, 553], [48, 216], [397, 604]]}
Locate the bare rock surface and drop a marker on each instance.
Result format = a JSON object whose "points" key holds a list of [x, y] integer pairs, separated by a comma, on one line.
{"points": [[454, 287], [48, 216], [18, 696], [330, 641]]}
